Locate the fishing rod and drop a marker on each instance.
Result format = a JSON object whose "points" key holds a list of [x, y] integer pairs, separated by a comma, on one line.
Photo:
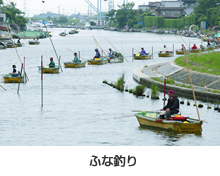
{"points": [[53, 46], [15, 49], [80, 56], [163, 43], [100, 46], [184, 42], [115, 48], [96, 45], [2, 87], [191, 85]]}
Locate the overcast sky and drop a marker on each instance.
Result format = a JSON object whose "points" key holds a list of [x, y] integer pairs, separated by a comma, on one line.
{"points": [[67, 7]]}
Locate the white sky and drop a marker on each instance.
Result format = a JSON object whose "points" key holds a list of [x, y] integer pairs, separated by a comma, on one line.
{"points": [[67, 7]]}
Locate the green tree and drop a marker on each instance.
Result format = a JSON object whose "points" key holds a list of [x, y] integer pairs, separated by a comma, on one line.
{"points": [[63, 19]]}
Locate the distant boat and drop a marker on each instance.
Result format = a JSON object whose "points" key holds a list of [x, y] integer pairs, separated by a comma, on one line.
{"points": [[50, 70], [97, 61], [13, 78], [74, 64]]}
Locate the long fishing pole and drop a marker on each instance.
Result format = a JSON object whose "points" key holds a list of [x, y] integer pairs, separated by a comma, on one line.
{"points": [[53, 46], [2, 87], [191, 84], [80, 56], [96, 45], [100, 46], [15, 48], [115, 48], [164, 43], [184, 42]]}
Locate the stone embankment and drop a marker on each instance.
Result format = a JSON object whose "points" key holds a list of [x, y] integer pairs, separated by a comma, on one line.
{"points": [[203, 84]]}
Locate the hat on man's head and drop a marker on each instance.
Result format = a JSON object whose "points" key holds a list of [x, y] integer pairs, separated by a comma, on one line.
{"points": [[14, 66], [171, 92]]}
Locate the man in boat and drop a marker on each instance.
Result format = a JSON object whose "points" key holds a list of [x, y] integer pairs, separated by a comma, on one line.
{"points": [[97, 54], [194, 47], [76, 59], [165, 48], [14, 69], [51, 64], [110, 54], [172, 106], [143, 52], [183, 47], [18, 40]]}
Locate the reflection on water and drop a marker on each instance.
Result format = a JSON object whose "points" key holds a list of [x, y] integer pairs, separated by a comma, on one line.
{"points": [[78, 108]]}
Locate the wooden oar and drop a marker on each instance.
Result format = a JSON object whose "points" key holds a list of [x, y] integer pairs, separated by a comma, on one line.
{"points": [[2, 87], [80, 56], [191, 84], [15, 47], [115, 48]]}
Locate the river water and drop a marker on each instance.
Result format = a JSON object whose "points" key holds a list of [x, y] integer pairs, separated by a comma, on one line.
{"points": [[78, 109]]}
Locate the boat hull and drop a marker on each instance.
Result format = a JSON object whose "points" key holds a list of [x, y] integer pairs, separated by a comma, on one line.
{"points": [[176, 126], [48, 70], [180, 52], [194, 51], [34, 43], [74, 65], [165, 54], [143, 57], [9, 79], [3, 47], [210, 48], [97, 62], [19, 44], [204, 49], [11, 46]]}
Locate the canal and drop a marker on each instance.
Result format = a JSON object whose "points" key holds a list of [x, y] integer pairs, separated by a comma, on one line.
{"points": [[79, 110]]}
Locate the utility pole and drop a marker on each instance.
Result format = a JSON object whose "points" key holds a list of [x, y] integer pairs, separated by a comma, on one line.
{"points": [[59, 12], [25, 8]]}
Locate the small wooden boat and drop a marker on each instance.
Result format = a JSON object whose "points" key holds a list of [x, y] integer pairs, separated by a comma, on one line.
{"points": [[71, 32], [204, 49], [179, 52], [97, 61], [2, 45], [210, 48], [145, 57], [50, 70], [19, 44], [13, 78], [63, 34], [74, 64], [195, 51], [34, 42], [10, 45], [216, 46], [165, 54], [176, 124]]}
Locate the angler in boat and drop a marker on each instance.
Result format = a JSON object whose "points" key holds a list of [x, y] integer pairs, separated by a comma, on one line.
{"points": [[194, 47], [51, 64], [172, 106], [143, 52], [97, 54], [76, 59], [165, 48], [14, 69], [183, 47], [111, 53], [19, 40]]}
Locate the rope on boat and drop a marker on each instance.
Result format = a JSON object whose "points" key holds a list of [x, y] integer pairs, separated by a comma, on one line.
{"points": [[53, 46], [16, 49], [191, 84]]}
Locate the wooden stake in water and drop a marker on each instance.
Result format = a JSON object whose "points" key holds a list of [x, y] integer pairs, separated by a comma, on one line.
{"points": [[20, 78], [173, 50], [152, 52], [41, 81], [164, 91], [2, 87], [132, 54]]}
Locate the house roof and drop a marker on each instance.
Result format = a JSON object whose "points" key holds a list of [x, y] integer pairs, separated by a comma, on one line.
{"points": [[154, 4], [172, 4]]}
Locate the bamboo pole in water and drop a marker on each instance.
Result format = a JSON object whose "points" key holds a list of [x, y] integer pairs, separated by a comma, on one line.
{"points": [[53, 46], [41, 81], [191, 85], [20, 79], [15, 49]]}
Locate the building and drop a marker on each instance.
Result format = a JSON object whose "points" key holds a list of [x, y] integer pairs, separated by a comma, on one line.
{"points": [[170, 9], [150, 6], [3, 21], [189, 2]]}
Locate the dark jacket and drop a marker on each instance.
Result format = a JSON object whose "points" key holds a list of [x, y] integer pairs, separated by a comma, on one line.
{"points": [[173, 103]]}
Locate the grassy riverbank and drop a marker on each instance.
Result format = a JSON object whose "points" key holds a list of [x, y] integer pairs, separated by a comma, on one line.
{"points": [[202, 62]]}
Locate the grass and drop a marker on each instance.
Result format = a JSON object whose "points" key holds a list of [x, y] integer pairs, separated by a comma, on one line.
{"points": [[120, 83], [140, 89], [168, 81], [154, 91], [203, 62]]}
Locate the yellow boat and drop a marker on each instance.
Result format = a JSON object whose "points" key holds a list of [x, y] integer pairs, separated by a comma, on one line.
{"points": [[216, 46], [10, 45], [62, 34], [97, 61], [19, 44], [165, 54], [34, 42], [74, 65], [204, 49], [49, 70], [210, 48], [3, 47], [151, 119], [13, 78], [178, 52], [145, 57], [195, 51]]}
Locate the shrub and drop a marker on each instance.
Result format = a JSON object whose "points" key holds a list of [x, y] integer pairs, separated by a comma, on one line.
{"points": [[139, 90]]}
